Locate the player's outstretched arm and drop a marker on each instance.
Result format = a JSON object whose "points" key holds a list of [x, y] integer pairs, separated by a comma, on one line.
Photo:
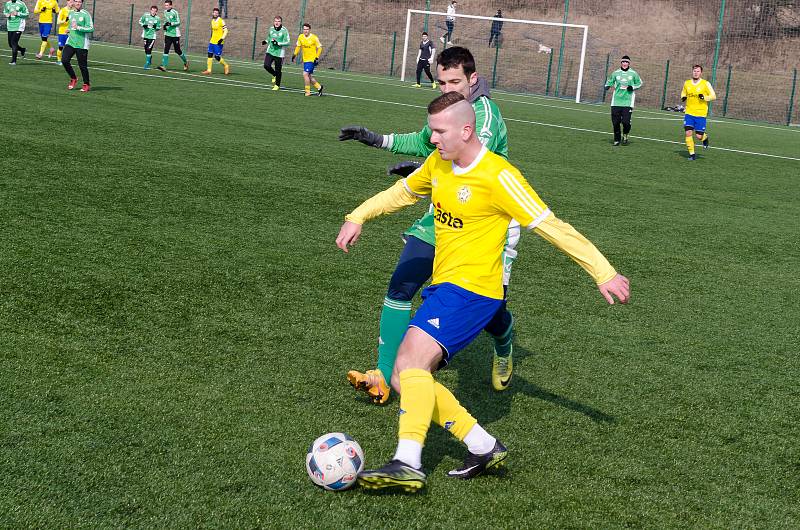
{"points": [[618, 287], [361, 134]]}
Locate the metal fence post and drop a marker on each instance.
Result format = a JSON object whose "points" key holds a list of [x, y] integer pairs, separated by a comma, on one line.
{"points": [[791, 98], [302, 16], [394, 45], [716, 46], [427, 8], [255, 34], [494, 68], [344, 51], [605, 78], [94, 9], [666, 81], [188, 23], [130, 28], [727, 91], [549, 70], [561, 49]]}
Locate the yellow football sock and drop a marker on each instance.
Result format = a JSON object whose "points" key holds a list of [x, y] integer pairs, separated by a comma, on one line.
{"points": [[450, 414], [222, 62], [58, 55], [705, 137], [690, 144], [308, 89], [43, 47], [417, 401], [210, 62], [317, 85]]}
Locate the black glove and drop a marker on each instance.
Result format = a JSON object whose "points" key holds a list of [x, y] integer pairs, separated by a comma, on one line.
{"points": [[404, 169], [362, 134], [167, 24], [316, 62], [294, 57], [220, 42], [606, 87], [630, 88], [701, 96], [263, 43], [683, 99], [274, 42]]}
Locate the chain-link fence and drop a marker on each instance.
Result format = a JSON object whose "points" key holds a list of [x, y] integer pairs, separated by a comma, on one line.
{"points": [[748, 48]]}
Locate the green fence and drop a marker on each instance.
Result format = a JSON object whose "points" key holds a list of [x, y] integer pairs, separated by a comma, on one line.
{"points": [[744, 45]]}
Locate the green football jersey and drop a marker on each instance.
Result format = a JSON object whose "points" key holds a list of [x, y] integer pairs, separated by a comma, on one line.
{"points": [[172, 22], [281, 36], [15, 22], [491, 131], [150, 25], [80, 29], [619, 81]]}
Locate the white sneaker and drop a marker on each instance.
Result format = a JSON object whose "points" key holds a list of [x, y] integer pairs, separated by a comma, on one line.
{"points": [[441, 39]]}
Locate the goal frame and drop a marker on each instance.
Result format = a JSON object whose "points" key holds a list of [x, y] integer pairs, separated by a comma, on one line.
{"points": [[584, 27]]}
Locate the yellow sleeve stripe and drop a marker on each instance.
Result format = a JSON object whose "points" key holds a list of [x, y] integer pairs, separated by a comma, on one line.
{"points": [[521, 196]]}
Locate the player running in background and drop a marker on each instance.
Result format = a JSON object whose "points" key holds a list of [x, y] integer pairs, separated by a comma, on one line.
{"points": [[624, 80], [476, 193], [47, 11], [16, 13], [278, 40], [456, 73], [696, 93], [218, 33], [425, 56], [150, 23], [63, 28], [172, 37], [80, 27], [312, 49], [450, 22]]}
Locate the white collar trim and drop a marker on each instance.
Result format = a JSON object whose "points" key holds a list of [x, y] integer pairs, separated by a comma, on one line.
{"points": [[458, 170]]}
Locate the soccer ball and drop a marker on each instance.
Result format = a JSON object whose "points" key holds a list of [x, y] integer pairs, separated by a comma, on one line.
{"points": [[334, 460]]}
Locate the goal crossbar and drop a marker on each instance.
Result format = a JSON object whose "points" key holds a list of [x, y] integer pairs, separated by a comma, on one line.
{"points": [[583, 27]]}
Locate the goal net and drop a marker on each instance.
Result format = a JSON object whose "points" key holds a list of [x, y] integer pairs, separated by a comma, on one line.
{"points": [[513, 54]]}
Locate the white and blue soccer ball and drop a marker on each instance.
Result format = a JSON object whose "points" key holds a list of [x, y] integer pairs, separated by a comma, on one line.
{"points": [[334, 461]]}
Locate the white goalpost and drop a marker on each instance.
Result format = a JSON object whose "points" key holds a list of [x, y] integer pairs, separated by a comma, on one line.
{"points": [[582, 27]]}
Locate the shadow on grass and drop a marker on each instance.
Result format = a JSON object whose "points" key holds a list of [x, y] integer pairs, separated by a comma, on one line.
{"points": [[105, 88]]}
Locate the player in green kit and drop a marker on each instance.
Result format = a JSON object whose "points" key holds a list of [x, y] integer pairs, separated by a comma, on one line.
{"points": [[456, 73], [278, 40], [80, 28], [150, 23], [172, 37], [16, 13], [624, 81]]}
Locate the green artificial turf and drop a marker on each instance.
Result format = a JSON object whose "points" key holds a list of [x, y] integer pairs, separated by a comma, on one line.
{"points": [[176, 322]]}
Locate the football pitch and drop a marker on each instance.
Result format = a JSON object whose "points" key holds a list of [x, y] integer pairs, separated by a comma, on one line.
{"points": [[177, 321]]}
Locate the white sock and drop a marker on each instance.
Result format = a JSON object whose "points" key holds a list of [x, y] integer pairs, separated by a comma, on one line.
{"points": [[409, 452], [479, 442]]}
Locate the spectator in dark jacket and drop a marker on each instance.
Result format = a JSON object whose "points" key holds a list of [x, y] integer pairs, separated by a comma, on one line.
{"points": [[497, 28]]}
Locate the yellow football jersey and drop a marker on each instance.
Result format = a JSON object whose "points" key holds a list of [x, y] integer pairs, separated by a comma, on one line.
{"points": [[218, 30], [45, 10], [473, 208], [63, 20], [694, 105], [310, 45]]}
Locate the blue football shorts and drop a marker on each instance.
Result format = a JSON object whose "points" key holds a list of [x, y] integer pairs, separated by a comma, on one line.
{"points": [[62, 40], [695, 122], [215, 49], [453, 316], [45, 29], [308, 67]]}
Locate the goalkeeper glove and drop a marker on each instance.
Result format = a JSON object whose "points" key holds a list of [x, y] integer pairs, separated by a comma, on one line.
{"points": [[701, 96], [362, 134], [167, 24], [316, 61], [220, 42], [630, 88], [607, 87], [404, 169], [683, 99], [263, 43], [294, 57], [274, 42]]}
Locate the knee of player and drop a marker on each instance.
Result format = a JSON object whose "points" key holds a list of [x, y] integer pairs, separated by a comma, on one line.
{"points": [[218, 57], [210, 55]]}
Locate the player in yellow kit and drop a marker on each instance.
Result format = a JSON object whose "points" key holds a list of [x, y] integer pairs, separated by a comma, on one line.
{"points": [[312, 49], [218, 33], [476, 194], [47, 10], [696, 93], [63, 28]]}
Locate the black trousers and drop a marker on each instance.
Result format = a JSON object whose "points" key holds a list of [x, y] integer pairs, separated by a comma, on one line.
{"points": [[621, 115], [450, 25], [172, 42], [494, 36], [268, 61], [423, 64], [148, 46], [13, 43], [83, 62]]}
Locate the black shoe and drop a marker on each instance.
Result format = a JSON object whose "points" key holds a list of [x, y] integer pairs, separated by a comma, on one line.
{"points": [[22, 51], [705, 143], [395, 474], [474, 464], [321, 88], [692, 157], [161, 67]]}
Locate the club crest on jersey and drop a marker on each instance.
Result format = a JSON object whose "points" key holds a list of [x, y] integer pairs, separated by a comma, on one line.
{"points": [[446, 218], [463, 194]]}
